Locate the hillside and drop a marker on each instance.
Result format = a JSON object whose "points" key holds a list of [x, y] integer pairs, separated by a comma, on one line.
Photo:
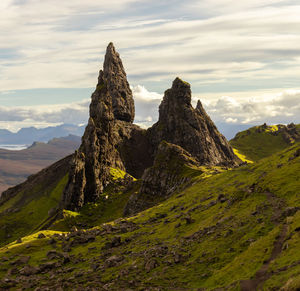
{"points": [[16, 166], [29, 206], [262, 141], [237, 228]]}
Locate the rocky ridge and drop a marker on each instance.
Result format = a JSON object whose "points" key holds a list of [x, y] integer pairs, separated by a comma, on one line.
{"points": [[192, 129], [111, 140]]}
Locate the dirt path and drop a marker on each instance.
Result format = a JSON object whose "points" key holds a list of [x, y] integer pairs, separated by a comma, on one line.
{"points": [[262, 274]]}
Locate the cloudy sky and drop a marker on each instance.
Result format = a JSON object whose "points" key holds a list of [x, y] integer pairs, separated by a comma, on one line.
{"points": [[242, 58]]}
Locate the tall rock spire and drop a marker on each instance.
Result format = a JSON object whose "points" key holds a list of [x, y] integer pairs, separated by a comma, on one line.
{"points": [[115, 80], [110, 122]]}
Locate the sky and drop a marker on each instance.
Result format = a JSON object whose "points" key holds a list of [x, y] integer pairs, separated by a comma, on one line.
{"points": [[242, 58]]}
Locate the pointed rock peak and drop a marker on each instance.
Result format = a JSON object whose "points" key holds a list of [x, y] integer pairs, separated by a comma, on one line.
{"points": [[180, 84], [113, 78], [201, 111], [199, 105], [112, 62], [110, 48], [180, 92]]}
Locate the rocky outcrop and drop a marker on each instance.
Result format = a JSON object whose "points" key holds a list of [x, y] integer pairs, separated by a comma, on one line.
{"points": [[44, 178], [113, 77], [192, 129], [111, 140], [108, 132], [290, 133], [168, 173]]}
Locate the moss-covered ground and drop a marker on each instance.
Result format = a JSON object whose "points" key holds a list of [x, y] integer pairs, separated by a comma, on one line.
{"points": [[259, 142], [24, 213], [217, 232]]}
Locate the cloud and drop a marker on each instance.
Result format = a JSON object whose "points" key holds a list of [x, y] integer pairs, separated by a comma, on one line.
{"points": [[222, 47], [216, 45], [283, 107], [146, 106], [231, 114], [14, 118]]}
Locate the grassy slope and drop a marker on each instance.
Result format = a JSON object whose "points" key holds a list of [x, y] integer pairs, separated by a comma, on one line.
{"points": [[109, 206], [257, 143], [28, 209], [228, 240]]}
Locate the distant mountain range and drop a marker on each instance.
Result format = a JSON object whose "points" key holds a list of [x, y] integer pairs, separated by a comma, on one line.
{"points": [[16, 166], [31, 134]]}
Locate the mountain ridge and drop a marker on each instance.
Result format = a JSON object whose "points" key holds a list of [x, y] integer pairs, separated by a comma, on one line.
{"points": [[261, 141], [16, 166], [29, 135]]}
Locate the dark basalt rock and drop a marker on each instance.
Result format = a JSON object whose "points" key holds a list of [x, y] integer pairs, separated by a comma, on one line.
{"points": [[108, 133], [111, 140], [163, 178], [192, 129], [114, 77]]}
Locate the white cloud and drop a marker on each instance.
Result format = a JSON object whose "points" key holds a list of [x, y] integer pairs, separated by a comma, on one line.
{"points": [[238, 49], [231, 120], [56, 44], [14, 118], [283, 107], [146, 106]]}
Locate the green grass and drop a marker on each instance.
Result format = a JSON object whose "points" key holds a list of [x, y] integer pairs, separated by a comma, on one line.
{"points": [[242, 157], [226, 241], [30, 210], [108, 207], [259, 142], [117, 174]]}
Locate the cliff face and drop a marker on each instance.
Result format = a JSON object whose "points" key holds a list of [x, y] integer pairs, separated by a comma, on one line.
{"points": [[192, 129], [168, 173], [111, 140], [109, 128]]}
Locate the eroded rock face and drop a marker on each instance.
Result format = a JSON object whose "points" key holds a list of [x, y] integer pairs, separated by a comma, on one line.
{"points": [[109, 129], [114, 78], [163, 178], [192, 129], [111, 140]]}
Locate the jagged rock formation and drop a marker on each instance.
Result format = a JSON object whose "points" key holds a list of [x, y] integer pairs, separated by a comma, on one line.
{"points": [[109, 127], [161, 180], [179, 123], [113, 77], [112, 141]]}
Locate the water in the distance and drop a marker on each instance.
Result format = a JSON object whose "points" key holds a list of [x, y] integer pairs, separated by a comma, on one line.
{"points": [[13, 147]]}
